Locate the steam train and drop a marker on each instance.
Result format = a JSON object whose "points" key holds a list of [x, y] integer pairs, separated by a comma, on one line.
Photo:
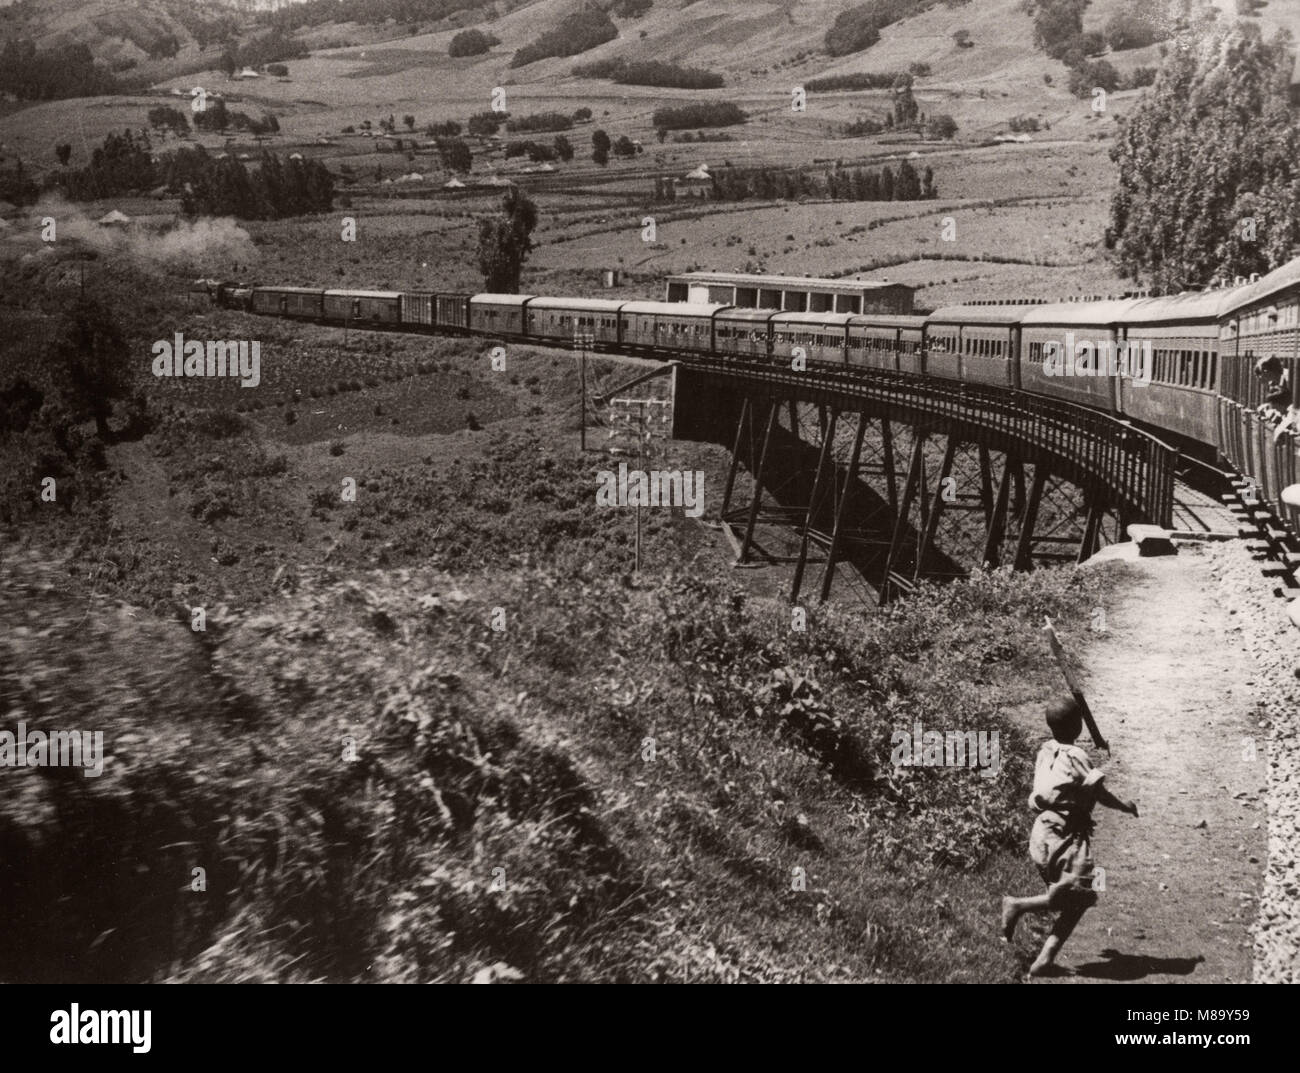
{"points": [[1196, 388]]}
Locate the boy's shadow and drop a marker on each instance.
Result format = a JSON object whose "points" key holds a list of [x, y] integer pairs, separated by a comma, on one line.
{"points": [[1119, 966]]}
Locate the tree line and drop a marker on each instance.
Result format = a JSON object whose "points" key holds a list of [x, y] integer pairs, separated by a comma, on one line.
{"points": [[838, 184], [222, 186], [650, 73], [33, 74]]}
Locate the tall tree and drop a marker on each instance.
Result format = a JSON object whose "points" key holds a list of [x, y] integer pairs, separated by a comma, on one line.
{"points": [[1209, 162], [94, 358], [505, 241], [905, 106]]}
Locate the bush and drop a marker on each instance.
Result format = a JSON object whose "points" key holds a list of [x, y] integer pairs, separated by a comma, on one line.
{"points": [[1058, 25], [852, 31], [583, 30], [695, 116], [864, 126], [471, 42], [942, 126], [486, 123], [168, 117], [542, 121], [858, 80], [1093, 74], [651, 73], [1129, 29], [1140, 77]]}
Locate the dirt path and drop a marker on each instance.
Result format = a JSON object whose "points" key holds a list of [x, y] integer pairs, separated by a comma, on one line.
{"points": [[1174, 697]]}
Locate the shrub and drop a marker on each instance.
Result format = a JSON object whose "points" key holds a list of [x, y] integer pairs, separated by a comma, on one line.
{"points": [[485, 123], [694, 116], [1093, 74], [650, 73], [472, 42], [583, 30], [541, 122], [1129, 29], [942, 126], [852, 31]]}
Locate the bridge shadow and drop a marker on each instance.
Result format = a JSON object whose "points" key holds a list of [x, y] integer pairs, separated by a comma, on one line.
{"points": [[868, 522]]}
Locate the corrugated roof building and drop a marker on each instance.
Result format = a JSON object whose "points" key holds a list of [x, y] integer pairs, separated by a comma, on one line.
{"points": [[791, 294]]}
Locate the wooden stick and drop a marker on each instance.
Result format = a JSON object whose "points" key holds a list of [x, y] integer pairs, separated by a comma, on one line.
{"points": [[1075, 689]]}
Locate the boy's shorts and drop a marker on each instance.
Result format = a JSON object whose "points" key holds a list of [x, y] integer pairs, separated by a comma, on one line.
{"points": [[1062, 850]]}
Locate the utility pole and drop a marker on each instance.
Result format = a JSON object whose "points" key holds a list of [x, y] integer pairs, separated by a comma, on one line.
{"points": [[582, 340], [635, 417]]}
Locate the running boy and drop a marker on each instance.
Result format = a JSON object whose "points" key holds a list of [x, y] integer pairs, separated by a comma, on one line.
{"points": [[1066, 787]]}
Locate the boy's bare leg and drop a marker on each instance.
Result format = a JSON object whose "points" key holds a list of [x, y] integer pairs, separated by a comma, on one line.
{"points": [[1013, 907], [1061, 930], [1056, 898]]}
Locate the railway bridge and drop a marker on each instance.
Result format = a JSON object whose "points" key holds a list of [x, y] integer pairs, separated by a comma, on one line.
{"points": [[870, 465]]}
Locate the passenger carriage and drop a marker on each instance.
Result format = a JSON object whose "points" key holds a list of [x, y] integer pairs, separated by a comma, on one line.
{"points": [[743, 333], [1067, 351], [1182, 335], [499, 314], [977, 344], [562, 318], [1260, 320], [823, 336], [668, 325], [878, 341]]}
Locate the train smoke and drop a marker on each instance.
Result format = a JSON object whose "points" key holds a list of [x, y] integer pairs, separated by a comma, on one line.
{"points": [[198, 246]]}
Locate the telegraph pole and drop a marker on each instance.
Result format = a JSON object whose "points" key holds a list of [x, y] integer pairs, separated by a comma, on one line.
{"points": [[582, 340]]}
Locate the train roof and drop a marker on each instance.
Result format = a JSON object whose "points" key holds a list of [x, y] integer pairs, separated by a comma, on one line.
{"points": [[503, 299], [342, 293], [1079, 314], [1191, 305], [748, 315], [288, 290], [990, 314], [886, 320], [838, 319], [1265, 287], [598, 305], [678, 309]]}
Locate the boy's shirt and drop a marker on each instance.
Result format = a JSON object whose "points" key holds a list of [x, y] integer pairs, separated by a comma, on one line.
{"points": [[1064, 780]]}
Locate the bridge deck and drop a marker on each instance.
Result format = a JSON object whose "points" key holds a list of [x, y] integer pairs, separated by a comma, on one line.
{"points": [[1197, 511]]}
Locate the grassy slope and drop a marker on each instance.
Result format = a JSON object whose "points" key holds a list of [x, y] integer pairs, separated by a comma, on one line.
{"points": [[524, 750]]}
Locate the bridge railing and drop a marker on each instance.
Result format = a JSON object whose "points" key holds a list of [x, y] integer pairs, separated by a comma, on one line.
{"points": [[1134, 469]]}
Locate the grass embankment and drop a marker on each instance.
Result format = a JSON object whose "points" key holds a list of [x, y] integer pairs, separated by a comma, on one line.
{"points": [[641, 771]]}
